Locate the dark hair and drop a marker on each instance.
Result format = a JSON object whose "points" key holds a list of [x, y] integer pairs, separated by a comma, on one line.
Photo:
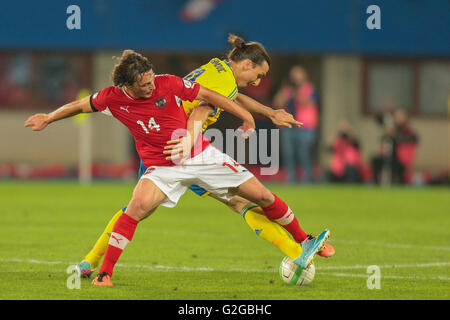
{"points": [[130, 65], [253, 50]]}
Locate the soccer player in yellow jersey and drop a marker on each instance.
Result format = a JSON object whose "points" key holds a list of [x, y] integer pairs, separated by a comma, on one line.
{"points": [[246, 65]]}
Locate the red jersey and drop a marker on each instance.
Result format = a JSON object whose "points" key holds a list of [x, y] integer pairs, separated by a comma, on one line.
{"points": [[152, 121]]}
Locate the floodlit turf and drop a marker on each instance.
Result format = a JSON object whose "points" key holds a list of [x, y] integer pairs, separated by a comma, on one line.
{"points": [[201, 250]]}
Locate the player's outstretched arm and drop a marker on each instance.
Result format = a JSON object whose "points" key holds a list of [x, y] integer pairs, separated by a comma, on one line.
{"points": [[40, 121], [278, 117], [226, 104]]}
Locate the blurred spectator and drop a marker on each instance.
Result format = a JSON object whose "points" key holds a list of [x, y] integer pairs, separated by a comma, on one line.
{"points": [[15, 79], [300, 98], [53, 74], [397, 150], [345, 164], [35, 80]]}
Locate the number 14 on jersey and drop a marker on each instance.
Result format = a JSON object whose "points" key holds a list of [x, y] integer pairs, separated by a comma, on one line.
{"points": [[152, 125]]}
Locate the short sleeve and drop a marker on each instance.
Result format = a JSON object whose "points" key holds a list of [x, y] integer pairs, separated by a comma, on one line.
{"points": [[184, 89], [221, 83], [98, 100]]}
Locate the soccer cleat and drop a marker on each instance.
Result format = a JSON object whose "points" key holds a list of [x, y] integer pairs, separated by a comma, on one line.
{"points": [[103, 279], [310, 247], [327, 251], [83, 269]]}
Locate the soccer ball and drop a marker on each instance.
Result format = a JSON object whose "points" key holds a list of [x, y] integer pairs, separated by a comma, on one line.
{"points": [[292, 274]]}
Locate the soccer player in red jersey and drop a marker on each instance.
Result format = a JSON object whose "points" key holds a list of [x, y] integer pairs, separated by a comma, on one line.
{"points": [[150, 107]]}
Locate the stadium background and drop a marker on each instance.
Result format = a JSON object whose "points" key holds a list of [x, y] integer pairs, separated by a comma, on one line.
{"points": [[44, 64], [201, 250]]}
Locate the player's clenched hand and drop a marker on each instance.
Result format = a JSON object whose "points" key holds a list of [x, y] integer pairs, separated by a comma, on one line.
{"points": [[38, 121], [282, 118], [178, 149]]}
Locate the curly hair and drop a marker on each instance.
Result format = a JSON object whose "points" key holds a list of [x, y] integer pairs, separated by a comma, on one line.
{"points": [[253, 50], [130, 65]]}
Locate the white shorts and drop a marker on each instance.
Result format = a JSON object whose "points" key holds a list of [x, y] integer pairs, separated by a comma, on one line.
{"points": [[212, 170]]}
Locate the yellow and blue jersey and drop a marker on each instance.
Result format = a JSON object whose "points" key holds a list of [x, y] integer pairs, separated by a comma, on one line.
{"points": [[218, 76], [215, 75]]}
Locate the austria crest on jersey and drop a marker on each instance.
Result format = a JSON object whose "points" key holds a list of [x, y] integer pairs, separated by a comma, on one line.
{"points": [[161, 102]]}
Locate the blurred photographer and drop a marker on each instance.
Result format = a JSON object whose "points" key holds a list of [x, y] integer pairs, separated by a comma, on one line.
{"points": [[398, 147], [345, 164]]}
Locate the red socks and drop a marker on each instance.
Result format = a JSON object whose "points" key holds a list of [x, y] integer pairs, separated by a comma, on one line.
{"points": [[283, 215], [121, 235], [125, 227]]}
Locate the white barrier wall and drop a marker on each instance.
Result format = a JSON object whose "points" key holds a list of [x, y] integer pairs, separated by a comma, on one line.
{"points": [[59, 143]]}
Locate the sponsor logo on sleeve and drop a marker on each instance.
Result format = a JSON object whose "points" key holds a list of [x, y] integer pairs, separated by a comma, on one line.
{"points": [[188, 84]]}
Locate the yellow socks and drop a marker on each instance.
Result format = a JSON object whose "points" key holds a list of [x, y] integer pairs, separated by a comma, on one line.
{"points": [[252, 214], [95, 255], [270, 231]]}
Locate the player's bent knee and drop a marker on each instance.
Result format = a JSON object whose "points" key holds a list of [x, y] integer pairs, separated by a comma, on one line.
{"points": [[268, 197], [139, 209], [255, 191], [264, 197]]}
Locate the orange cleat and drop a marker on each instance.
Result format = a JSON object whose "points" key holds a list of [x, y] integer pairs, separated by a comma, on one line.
{"points": [[103, 279], [327, 251]]}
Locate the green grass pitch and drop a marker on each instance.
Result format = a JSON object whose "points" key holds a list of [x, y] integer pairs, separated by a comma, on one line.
{"points": [[201, 250]]}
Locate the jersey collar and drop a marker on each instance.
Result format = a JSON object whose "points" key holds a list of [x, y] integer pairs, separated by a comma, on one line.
{"points": [[227, 62], [126, 93]]}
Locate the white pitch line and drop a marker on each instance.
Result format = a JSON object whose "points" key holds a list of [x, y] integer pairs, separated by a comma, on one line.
{"points": [[148, 267], [36, 261], [271, 270], [331, 274], [391, 245], [387, 266], [350, 275]]}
